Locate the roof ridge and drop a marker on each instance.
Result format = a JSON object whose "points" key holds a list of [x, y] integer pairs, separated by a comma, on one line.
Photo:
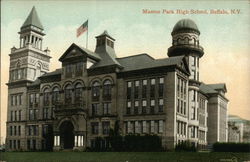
{"points": [[137, 55]]}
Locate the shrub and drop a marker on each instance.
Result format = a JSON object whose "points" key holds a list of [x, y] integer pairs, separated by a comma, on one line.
{"points": [[101, 145], [136, 142], [231, 147], [185, 146], [133, 142]]}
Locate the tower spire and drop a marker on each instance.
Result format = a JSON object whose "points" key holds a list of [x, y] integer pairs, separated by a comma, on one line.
{"points": [[31, 32], [32, 20]]}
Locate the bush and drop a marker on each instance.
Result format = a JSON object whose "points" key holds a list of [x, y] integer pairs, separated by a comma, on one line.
{"points": [[133, 142], [231, 147], [101, 145], [136, 142], [185, 146]]}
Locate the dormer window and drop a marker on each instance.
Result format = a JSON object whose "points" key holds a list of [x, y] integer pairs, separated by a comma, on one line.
{"points": [[79, 69], [68, 70]]}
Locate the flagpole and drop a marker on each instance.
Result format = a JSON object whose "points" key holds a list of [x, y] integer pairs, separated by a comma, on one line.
{"points": [[87, 35], [87, 39]]}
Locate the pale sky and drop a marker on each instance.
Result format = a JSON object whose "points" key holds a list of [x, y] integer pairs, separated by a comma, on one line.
{"points": [[225, 37]]}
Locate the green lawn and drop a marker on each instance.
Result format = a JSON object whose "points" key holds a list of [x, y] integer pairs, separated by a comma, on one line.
{"points": [[121, 156]]}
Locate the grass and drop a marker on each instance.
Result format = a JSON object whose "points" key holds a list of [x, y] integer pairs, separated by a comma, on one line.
{"points": [[122, 156]]}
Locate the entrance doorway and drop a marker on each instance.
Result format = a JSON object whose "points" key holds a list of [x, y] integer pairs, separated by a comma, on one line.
{"points": [[67, 135]]}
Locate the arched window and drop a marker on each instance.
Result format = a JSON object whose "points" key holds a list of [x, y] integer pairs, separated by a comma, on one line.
{"points": [[194, 41], [68, 94], [38, 70], [55, 95], [107, 90], [46, 97], [178, 41], [18, 76], [95, 91], [78, 93], [186, 40]]}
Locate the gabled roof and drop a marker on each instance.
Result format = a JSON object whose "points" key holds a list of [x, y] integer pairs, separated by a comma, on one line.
{"points": [[33, 20], [143, 61], [219, 86], [89, 53], [56, 72], [106, 60], [212, 88], [207, 89]]}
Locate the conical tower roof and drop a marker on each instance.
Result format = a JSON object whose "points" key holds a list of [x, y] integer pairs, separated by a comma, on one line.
{"points": [[32, 20]]}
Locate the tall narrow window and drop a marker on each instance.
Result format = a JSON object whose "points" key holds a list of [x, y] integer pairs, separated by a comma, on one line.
{"points": [[14, 130], [106, 127], [68, 70], [15, 115], [106, 108], [144, 88], [184, 108], [144, 106], [11, 100], [20, 115], [94, 128], [19, 72], [160, 105], [45, 113], [181, 107], [185, 89], [161, 83], [128, 108], [152, 106], [55, 95], [46, 97], [95, 108], [193, 113], [11, 115], [178, 105], [129, 90], [95, 91], [68, 94], [107, 90], [79, 69], [19, 130], [152, 88], [178, 87], [31, 99], [16, 74], [20, 99], [31, 114], [11, 131], [36, 99], [38, 70], [181, 84], [160, 126], [78, 93], [194, 95], [136, 107], [35, 114], [137, 89], [152, 126], [186, 41], [144, 127]]}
